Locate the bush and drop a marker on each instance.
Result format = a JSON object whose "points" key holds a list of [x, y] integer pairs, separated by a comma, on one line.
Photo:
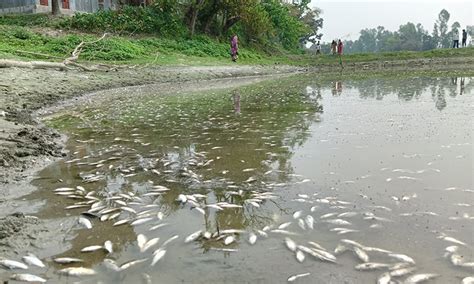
{"points": [[151, 20]]}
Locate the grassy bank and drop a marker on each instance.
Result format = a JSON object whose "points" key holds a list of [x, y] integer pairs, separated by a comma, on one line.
{"points": [[39, 37]]}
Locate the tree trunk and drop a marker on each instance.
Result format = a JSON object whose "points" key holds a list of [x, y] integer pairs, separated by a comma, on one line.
{"points": [[55, 7], [229, 23]]}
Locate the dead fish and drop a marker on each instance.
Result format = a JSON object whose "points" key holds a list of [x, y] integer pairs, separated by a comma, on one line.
{"points": [[121, 222], [468, 280], [141, 221], [402, 257], [77, 271], [194, 236], [67, 260], [284, 232], [149, 244], [108, 246], [32, 259], [371, 266], [158, 254], [361, 254], [12, 264], [339, 222], [301, 224], [24, 277], [229, 240], [91, 248], [63, 189], [284, 225], [417, 278], [453, 240], [402, 271], [170, 240], [131, 263], [297, 214], [290, 244], [328, 215], [157, 226], [340, 249], [324, 255], [141, 241], [85, 222], [252, 238], [300, 256], [309, 221], [316, 245], [294, 277], [384, 278]]}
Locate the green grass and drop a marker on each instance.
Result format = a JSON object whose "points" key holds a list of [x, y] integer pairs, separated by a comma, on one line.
{"points": [[21, 40]]}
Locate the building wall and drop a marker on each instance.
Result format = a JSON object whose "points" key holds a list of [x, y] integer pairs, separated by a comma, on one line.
{"points": [[17, 6], [33, 6]]}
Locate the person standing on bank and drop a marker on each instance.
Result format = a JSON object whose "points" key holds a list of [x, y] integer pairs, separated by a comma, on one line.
{"points": [[234, 48], [334, 47], [455, 38], [464, 38]]}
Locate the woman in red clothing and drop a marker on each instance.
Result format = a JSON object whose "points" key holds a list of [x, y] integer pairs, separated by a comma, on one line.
{"points": [[339, 47]]}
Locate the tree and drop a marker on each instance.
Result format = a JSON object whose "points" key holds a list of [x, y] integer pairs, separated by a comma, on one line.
{"points": [[55, 7], [192, 14], [442, 23]]}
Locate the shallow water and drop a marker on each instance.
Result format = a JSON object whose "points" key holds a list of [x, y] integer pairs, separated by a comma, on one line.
{"points": [[398, 149]]}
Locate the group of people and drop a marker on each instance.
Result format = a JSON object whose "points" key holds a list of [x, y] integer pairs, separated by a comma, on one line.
{"points": [[336, 47], [456, 38]]}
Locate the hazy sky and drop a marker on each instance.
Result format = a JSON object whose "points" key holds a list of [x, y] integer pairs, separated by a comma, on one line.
{"points": [[345, 18]]}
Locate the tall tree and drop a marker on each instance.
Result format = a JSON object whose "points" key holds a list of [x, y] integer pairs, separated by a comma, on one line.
{"points": [[442, 24]]}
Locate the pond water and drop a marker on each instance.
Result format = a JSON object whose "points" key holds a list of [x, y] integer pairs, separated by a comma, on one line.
{"points": [[385, 163]]}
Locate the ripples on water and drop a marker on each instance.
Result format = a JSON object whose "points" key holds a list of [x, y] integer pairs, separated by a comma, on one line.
{"points": [[379, 169]]}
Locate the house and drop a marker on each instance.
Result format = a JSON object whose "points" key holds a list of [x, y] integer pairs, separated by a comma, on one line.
{"points": [[44, 6]]}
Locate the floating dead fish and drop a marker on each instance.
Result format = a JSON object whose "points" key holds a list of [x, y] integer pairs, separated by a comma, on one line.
{"points": [[284, 225], [64, 189], [85, 222], [108, 246], [32, 259], [24, 277], [371, 266], [402, 257], [340, 249], [309, 220], [252, 238], [131, 263], [301, 224], [12, 264], [77, 271], [228, 240], [453, 240], [158, 254], [170, 240], [141, 241], [149, 244], [121, 222], [141, 221], [290, 244], [297, 214], [402, 271], [361, 254], [284, 232], [67, 260], [468, 280], [339, 222], [158, 226], [384, 278], [294, 277], [91, 248], [194, 236], [300, 256], [417, 278]]}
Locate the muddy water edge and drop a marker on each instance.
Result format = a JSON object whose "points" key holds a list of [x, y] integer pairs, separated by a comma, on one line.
{"points": [[383, 162]]}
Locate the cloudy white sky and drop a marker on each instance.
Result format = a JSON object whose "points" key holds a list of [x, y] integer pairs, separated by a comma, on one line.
{"points": [[345, 18]]}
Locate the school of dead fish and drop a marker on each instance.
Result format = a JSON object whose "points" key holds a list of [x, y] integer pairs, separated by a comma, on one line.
{"points": [[133, 209]]}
